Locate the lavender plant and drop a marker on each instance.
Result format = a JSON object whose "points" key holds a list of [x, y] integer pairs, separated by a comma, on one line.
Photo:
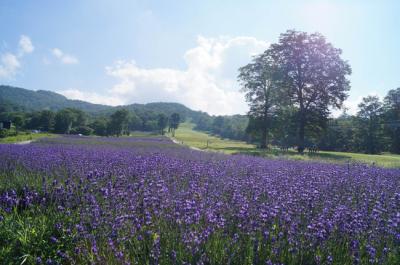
{"points": [[149, 201]]}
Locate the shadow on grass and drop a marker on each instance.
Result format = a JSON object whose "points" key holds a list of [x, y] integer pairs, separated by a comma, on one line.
{"points": [[236, 150], [292, 154]]}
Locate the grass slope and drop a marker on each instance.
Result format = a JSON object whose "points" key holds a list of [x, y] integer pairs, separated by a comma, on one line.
{"points": [[186, 135]]}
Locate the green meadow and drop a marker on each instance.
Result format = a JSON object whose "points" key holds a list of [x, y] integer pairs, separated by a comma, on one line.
{"points": [[25, 137], [201, 140]]}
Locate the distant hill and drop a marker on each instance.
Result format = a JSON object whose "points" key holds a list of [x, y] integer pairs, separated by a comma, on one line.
{"points": [[16, 98], [30, 100]]}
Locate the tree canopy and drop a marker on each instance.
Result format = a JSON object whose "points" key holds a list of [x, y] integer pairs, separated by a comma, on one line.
{"points": [[258, 82], [306, 71]]}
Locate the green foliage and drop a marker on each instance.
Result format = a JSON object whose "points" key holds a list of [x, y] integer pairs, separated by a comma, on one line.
{"points": [[46, 120], [7, 133], [22, 136], [99, 126], [162, 122], [64, 120], [262, 93], [311, 75], [18, 121], [27, 235], [232, 127], [135, 122], [370, 125], [29, 100], [392, 119], [84, 130], [174, 121], [118, 122]]}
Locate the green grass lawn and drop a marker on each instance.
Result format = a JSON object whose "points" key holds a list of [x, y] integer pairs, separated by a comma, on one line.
{"points": [[24, 137], [186, 135]]}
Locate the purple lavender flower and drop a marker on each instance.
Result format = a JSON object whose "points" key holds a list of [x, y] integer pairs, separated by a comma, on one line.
{"points": [[137, 192]]}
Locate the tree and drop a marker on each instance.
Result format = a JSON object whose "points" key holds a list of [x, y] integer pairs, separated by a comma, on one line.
{"points": [[64, 120], [312, 73], [174, 121], [99, 126], [339, 134], [84, 130], [46, 120], [203, 123], [19, 121], [33, 120], [284, 126], [370, 130], [392, 119], [257, 81], [135, 122], [162, 122], [80, 119], [119, 122]]}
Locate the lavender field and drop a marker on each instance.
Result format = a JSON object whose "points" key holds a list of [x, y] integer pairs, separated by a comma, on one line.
{"points": [[82, 200]]}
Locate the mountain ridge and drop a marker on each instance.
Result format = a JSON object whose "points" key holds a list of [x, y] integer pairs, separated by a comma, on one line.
{"points": [[36, 100]]}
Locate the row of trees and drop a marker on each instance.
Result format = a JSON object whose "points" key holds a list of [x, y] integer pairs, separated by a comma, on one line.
{"points": [[75, 121], [291, 89], [374, 129], [232, 127]]}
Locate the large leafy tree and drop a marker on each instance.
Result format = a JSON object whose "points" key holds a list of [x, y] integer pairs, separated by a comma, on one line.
{"points": [[313, 74], [99, 126], [118, 122], [257, 81], [135, 123], [19, 120], [46, 120], [64, 120]]}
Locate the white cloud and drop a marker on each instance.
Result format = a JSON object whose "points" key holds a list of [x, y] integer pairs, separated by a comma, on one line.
{"points": [[9, 65], [63, 57], [10, 62], [208, 83], [25, 45], [91, 97]]}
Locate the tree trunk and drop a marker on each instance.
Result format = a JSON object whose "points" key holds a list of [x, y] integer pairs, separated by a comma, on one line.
{"points": [[263, 144], [396, 142], [302, 124]]}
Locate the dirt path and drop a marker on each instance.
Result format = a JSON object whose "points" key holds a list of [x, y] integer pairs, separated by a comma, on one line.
{"points": [[181, 143], [24, 142]]}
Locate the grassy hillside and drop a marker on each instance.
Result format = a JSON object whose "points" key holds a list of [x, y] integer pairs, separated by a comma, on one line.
{"points": [[186, 135]]}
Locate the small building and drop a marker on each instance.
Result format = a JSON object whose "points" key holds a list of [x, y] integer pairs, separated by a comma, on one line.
{"points": [[5, 125]]}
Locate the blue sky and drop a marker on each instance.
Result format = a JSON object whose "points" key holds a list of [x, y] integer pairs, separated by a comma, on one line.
{"points": [[126, 51]]}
